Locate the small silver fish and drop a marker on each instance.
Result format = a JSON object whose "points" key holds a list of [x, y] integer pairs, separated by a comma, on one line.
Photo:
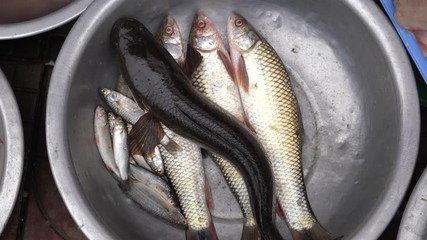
{"points": [[131, 113], [140, 161], [122, 105], [120, 147], [156, 162], [154, 195], [103, 140]]}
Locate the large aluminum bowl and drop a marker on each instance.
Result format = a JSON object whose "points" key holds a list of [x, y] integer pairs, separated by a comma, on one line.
{"points": [[11, 151], [355, 89], [414, 221], [43, 23]]}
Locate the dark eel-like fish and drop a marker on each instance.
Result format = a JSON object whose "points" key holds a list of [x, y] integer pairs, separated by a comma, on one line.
{"points": [[159, 85]]}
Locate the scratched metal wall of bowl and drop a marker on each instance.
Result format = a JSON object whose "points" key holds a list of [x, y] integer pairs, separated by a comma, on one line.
{"points": [[348, 102]]}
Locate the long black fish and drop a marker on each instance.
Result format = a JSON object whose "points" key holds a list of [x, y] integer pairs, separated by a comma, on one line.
{"points": [[159, 85]]}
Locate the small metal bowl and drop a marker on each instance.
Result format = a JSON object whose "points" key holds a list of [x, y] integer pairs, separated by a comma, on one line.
{"points": [[11, 151], [43, 23], [354, 85]]}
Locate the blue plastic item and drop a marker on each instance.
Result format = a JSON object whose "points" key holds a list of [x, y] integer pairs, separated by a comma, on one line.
{"points": [[408, 40]]}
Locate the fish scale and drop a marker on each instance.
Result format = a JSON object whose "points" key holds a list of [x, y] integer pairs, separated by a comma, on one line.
{"points": [[278, 129], [212, 79], [185, 171]]}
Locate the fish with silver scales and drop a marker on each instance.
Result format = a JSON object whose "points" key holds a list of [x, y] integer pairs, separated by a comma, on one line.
{"points": [[160, 86]]}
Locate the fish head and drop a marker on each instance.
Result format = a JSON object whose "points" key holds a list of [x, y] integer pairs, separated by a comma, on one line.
{"points": [[111, 116], [101, 114], [169, 36], [203, 35], [241, 35], [109, 95]]}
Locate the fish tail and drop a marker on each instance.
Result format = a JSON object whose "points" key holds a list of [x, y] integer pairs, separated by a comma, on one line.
{"points": [[250, 232], [316, 232], [201, 234]]}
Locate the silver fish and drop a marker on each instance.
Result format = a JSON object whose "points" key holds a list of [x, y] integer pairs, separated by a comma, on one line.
{"points": [[184, 167], [271, 106], [120, 147], [131, 113], [103, 140], [185, 172], [213, 80], [154, 195], [140, 161], [122, 105], [156, 162]]}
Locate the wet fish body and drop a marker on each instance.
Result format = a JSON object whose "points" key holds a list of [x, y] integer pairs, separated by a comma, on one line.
{"points": [[213, 80], [154, 195], [103, 140], [120, 148], [122, 105], [158, 84], [156, 162], [185, 172], [271, 106], [184, 168]]}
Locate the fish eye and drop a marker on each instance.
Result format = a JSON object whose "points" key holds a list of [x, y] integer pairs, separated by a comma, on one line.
{"points": [[201, 23], [169, 30], [238, 22]]}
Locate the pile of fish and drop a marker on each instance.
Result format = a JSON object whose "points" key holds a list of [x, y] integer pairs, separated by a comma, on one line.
{"points": [[177, 104]]}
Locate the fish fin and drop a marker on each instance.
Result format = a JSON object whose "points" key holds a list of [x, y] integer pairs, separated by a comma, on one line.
{"points": [[205, 153], [170, 145], [250, 232], [247, 123], [316, 232], [208, 194], [192, 61], [279, 210], [242, 78], [125, 185], [225, 58], [145, 135], [201, 234]]}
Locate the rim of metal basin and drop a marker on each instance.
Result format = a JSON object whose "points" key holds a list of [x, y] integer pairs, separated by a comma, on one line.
{"points": [[58, 144], [10, 178], [414, 219], [44, 23]]}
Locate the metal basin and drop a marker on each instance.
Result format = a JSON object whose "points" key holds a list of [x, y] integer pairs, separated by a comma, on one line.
{"points": [[354, 85], [11, 150], [414, 221], [43, 23]]}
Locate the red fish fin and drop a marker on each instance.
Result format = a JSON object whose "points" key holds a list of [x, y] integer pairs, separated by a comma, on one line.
{"points": [[316, 232], [279, 210], [192, 61], [250, 232], [242, 78], [225, 58], [202, 234], [145, 135], [208, 194]]}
